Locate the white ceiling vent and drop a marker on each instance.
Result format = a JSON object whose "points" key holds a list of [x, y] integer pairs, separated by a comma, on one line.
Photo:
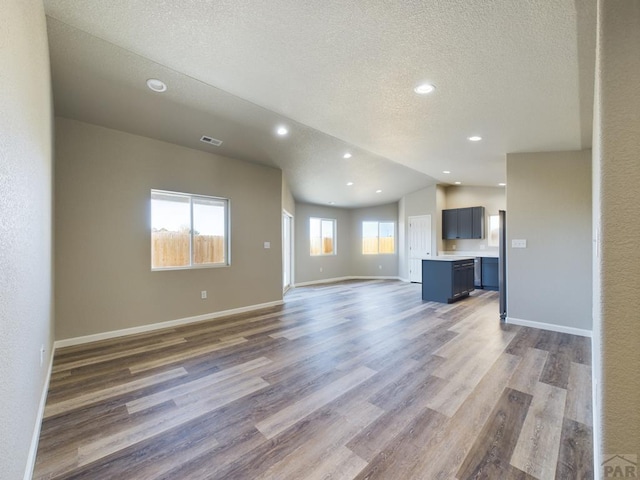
{"points": [[211, 141]]}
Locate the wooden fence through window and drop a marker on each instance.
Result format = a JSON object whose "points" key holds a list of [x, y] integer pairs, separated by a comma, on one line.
{"points": [[370, 245], [171, 249]]}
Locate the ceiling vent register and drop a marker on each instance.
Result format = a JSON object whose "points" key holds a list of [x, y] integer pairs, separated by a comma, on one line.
{"points": [[211, 141]]}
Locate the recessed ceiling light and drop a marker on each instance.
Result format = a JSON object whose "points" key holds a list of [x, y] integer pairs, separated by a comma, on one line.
{"points": [[446, 171], [157, 85], [378, 191], [347, 155], [458, 183], [349, 184], [502, 184], [282, 130], [475, 138], [424, 88]]}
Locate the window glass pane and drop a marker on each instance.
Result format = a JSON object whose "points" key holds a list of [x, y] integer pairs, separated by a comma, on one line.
{"points": [[188, 230], [369, 238], [170, 230], [387, 243], [369, 229], [494, 230], [378, 237], [315, 236], [208, 231], [322, 236], [327, 237], [386, 230]]}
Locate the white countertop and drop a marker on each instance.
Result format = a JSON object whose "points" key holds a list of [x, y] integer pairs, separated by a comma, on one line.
{"points": [[466, 253], [449, 258]]}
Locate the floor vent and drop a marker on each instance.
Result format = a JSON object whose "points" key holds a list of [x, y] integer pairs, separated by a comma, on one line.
{"points": [[211, 141]]}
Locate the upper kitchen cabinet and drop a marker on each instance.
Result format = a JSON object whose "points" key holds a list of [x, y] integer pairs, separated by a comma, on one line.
{"points": [[450, 224], [477, 219], [463, 223]]}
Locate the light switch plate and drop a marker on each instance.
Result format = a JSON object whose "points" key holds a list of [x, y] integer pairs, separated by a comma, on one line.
{"points": [[518, 243], [267, 244]]}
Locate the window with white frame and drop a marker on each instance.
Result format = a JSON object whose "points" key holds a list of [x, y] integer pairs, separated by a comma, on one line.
{"points": [[188, 231], [378, 238], [322, 235]]}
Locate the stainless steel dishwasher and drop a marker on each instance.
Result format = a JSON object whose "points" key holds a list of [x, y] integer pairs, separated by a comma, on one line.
{"points": [[477, 272]]}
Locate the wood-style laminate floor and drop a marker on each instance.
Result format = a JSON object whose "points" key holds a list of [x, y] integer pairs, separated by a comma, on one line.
{"points": [[356, 380]]}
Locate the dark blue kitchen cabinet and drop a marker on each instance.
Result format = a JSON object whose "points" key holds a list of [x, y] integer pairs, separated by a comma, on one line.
{"points": [[490, 273], [463, 223], [447, 280]]}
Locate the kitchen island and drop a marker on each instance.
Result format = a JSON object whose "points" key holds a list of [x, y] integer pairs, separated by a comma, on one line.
{"points": [[447, 279]]}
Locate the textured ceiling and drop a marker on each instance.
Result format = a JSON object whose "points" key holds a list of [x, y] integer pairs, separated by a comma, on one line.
{"points": [[341, 75]]}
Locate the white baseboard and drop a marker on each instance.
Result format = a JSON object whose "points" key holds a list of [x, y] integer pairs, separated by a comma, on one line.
{"points": [[342, 279], [325, 280], [35, 438], [376, 277], [68, 342], [550, 326]]}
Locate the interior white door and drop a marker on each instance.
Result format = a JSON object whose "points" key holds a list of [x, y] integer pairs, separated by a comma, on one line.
{"points": [[287, 251], [419, 245]]}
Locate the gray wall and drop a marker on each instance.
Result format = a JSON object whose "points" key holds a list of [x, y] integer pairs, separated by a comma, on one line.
{"points": [[307, 268], [617, 225], [288, 202], [441, 204], [492, 199], [549, 205], [421, 202], [428, 201], [103, 277], [26, 321], [373, 265], [349, 261]]}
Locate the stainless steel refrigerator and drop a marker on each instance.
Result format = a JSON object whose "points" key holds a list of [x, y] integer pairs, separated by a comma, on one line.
{"points": [[502, 264]]}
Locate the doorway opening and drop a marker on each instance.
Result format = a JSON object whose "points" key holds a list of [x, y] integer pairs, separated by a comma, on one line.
{"points": [[287, 251]]}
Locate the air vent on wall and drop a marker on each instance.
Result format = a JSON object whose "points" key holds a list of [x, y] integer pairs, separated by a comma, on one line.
{"points": [[211, 141]]}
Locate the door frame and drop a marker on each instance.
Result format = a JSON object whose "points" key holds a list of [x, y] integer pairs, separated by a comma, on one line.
{"points": [[290, 256]]}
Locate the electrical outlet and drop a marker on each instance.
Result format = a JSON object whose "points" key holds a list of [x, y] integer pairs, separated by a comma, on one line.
{"points": [[203, 294], [42, 350], [380, 267], [518, 243], [320, 269]]}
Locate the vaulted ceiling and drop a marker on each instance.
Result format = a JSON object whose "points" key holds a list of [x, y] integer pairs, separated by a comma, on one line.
{"points": [[340, 75]]}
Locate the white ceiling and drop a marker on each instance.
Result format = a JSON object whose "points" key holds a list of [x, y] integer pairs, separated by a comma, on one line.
{"points": [[341, 75]]}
